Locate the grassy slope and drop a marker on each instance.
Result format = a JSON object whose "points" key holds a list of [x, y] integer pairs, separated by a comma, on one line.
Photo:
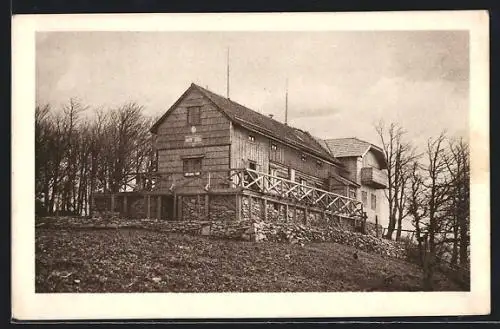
{"points": [[141, 261]]}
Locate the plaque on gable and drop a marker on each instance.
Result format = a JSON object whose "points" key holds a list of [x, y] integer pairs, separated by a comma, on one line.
{"points": [[193, 139]]}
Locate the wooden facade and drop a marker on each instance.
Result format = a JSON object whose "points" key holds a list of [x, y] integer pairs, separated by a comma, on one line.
{"points": [[273, 157], [177, 141], [209, 145], [365, 165]]}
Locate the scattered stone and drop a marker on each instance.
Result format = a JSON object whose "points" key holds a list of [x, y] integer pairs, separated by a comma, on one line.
{"points": [[248, 230], [205, 230], [260, 237]]}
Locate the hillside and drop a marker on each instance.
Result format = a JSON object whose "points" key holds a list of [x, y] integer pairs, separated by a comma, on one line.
{"points": [[135, 260]]}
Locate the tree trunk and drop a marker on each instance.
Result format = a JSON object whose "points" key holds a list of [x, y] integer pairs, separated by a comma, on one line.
{"points": [[464, 243], [391, 226], [46, 194], [398, 231], [454, 254], [428, 272]]}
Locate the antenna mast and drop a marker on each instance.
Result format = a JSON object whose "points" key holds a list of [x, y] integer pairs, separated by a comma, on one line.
{"points": [[286, 103], [227, 78]]}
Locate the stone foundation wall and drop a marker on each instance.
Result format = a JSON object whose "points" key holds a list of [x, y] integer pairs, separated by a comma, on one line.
{"points": [[276, 213], [240, 230], [193, 208], [257, 211], [298, 233], [222, 208], [372, 228], [136, 206], [102, 203], [347, 224]]}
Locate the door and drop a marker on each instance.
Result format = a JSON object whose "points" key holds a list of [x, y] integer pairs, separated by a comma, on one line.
{"points": [[167, 205]]}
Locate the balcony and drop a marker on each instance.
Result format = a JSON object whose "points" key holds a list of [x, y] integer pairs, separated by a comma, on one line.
{"points": [[373, 177], [241, 179]]}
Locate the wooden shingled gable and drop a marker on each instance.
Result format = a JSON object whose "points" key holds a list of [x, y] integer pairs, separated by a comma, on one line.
{"points": [[354, 147]]}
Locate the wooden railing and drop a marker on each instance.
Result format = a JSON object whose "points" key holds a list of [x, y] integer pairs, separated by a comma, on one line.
{"points": [[284, 188], [248, 179]]}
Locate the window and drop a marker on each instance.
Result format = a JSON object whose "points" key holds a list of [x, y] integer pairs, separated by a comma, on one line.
{"points": [[251, 138], [374, 202], [319, 164], [194, 116], [364, 197], [303, 157], [252, 165], [352, 194], [192, 166], [155, 161], [274, 147]]}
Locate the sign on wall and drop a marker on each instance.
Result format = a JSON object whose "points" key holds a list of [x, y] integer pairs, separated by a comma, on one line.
{"points": [[193, 139]]}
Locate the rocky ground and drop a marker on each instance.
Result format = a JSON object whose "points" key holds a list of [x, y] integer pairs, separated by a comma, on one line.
{"points": [[138, 260], [286, 232]]}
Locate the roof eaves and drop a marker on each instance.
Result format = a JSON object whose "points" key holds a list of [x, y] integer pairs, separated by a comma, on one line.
{"points": [[261, 130], [243, 122], [155, 126], [345, 180]]}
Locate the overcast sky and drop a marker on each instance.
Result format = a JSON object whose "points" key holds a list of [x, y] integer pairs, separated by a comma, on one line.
{"points": [[340, 83]]}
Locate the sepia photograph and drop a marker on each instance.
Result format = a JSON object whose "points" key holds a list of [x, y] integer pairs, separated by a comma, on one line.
{"points": [[252, 161]]}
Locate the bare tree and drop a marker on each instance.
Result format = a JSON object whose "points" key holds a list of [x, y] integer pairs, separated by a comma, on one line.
{"points": [[43, 136], [400, 155], [76, 156], [416, 208], [458, 165], [71, 112], [438, 202], [437, 187], [429, 200], [96, 140]]}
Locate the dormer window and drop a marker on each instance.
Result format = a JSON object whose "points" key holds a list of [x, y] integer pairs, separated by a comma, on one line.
{"points": [[319, 164], [194, 115], [274, 147], [303, 157], [251, 138]]}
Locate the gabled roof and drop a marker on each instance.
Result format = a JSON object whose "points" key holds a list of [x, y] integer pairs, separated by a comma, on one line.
{"points": [[260, 123], [354, 147]]}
